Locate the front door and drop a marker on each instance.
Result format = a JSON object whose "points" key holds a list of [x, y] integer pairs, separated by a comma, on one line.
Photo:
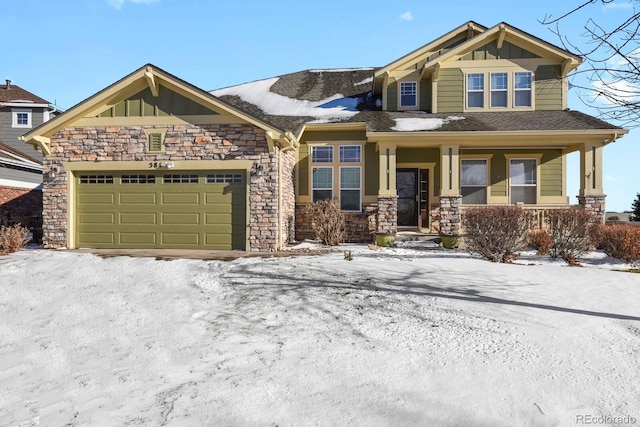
{"points": [[407, 188]]}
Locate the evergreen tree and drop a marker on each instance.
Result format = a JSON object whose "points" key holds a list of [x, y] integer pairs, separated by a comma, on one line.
{"points": [[635, 206]]}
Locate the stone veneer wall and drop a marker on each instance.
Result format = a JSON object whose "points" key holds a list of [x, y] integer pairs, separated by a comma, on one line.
{"points": [[182, 142], [450, 215], [359, 226], [387, 214], [595, 204]]}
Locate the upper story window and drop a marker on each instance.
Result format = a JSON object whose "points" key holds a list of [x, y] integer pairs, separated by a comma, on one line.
{"points": [[20, 118], [350, 153], [475, 90], [499, 89], [522, 89], [408, 94]]}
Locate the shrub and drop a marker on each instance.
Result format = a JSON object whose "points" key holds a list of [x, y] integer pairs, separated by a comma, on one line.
{"points": [[572, 231], [496, 233], [327, 221], [541, 241], [13, 238], [620, 241], [613, 218]]}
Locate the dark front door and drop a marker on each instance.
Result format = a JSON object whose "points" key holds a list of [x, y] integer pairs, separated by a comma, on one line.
{"points": [[407, 187]]}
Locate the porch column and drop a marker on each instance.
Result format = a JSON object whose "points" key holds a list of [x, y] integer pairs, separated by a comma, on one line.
{"points": [[592, 197], [387, 217], [450, 197]]}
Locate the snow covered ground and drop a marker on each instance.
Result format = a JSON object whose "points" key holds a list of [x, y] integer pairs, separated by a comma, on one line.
{"points": [[393, 337]]}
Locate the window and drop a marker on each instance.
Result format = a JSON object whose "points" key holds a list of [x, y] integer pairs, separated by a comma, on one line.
{"points": [[350, 153], [473, 181], [475, 90], [408, 94], [322, 183], [499, 89], [180, 179], [522, 180], [96, 179], [322, 154], [20, 118], [522, 89], [138, 179], [350, 188], [338, 176], [224, 178]]}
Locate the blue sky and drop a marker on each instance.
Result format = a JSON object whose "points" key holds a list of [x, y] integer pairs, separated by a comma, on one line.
{"points": [[65, 51]]}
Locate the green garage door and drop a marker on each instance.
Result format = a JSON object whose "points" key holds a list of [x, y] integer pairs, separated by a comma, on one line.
{"points": [[192, 210]]}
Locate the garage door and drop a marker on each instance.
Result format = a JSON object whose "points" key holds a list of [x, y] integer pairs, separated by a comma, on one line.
{"points": [[193, 210]]}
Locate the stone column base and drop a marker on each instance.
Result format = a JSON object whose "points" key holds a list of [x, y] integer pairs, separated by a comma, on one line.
{"points": [[594, 204], [387, 214], [450, 215]]}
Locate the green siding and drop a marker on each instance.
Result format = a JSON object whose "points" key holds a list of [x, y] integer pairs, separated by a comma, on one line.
{"points": [[145, 104], [425, 95], [303, 170], [491, 51], [450, 91], [551, 173], [392, 96], [548, 88], [334, 136], [371, 170]]}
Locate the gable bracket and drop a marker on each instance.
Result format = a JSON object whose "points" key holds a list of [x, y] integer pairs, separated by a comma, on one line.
{"points": [[151, 81], [40, 143], [470, 31], [501, 34]]}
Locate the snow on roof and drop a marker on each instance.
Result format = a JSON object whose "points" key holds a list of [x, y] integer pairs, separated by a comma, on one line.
{"points": [[418, 124], [364, 82], [259, 94]]}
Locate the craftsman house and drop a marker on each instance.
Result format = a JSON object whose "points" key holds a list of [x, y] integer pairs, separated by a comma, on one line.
{"points": [[478, 116]]}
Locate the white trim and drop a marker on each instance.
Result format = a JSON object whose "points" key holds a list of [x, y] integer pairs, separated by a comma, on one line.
{"points": [[20, 184], [359, 189], [14, 117], [25, 104], [324, 166], [416, 94]]}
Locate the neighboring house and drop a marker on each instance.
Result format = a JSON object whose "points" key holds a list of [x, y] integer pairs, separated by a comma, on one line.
{"points": [[476, 117], [20, 165]]}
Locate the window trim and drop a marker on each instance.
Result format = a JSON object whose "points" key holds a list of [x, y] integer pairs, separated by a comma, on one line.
{"points": [[313, 188], [467, 91], [487, 160], [492, 90], [314, 147], [359, 189], [415, 94], [14, 118], [336, 166], [537, 158]]}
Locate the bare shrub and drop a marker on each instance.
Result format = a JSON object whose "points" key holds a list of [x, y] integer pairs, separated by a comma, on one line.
{"points": [[620, 241], [572, 231], [13, 238], [541, 241], [496, 233], [327, 221]]}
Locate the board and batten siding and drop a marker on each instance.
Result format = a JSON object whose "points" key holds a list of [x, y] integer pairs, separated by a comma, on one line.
{"points": [[451, 91], [426, 90], [392, 96], [491, 51], [548, 87]]}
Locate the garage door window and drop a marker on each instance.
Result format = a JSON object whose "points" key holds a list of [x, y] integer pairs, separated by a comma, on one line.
{"points": [[180, 179], [138, 179], [224, 178], [96, 179]]}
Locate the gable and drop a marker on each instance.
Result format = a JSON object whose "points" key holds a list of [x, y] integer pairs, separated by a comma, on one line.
{"points": [[167, 103], [491, 51]]}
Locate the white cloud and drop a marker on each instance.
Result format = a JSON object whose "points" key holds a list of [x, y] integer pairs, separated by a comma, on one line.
{"points": [[407, 16], [618, 5], [117, 4]]}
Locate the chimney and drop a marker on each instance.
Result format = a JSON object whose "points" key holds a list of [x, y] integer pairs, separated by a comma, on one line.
{"points": [[8, 84]]}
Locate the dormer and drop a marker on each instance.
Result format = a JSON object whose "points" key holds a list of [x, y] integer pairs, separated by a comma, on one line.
{"points": [[478, 69]]}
